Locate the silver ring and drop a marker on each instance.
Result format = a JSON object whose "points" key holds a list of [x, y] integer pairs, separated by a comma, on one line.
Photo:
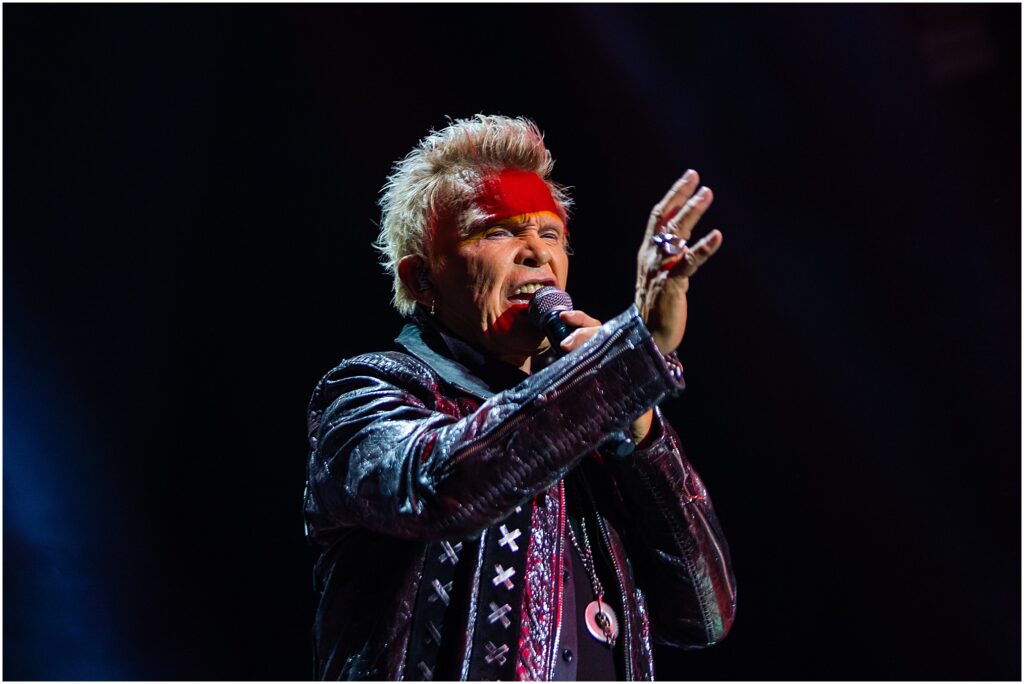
{"points": [[669, 244]]}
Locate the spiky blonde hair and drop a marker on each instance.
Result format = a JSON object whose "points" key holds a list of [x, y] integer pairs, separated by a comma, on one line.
{"points": [[438, 177]]}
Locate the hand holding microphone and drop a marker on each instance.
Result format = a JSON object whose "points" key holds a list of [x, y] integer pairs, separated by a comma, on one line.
{"points": [[551, 310]]}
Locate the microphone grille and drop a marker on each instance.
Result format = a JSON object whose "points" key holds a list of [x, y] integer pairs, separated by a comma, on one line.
{"points": [[546, 301]]}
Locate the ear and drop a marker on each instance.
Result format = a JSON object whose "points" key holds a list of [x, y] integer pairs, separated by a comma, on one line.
{"points": [[415, 276]]}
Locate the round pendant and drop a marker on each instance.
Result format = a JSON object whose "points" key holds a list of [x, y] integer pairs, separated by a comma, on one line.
{"points": [[598, 617]]}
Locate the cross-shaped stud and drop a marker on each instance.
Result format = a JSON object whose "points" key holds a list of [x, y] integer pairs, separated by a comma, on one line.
{"points": [[434, 632], [502, 576], [451, 553], [509, 538], [498, 613], [440, 592], [495, 653]]}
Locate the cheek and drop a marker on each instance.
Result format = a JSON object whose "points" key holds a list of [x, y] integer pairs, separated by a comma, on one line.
{"points": [[562, 270], [483, 279]]}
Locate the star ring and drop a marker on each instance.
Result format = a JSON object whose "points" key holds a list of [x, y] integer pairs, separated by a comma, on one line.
{"points": [[669, 244]]}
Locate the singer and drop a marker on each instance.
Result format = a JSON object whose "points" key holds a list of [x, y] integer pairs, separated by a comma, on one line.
{"points": [[491, 504]]}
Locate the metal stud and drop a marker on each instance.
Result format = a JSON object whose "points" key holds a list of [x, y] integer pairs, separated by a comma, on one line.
{"points": [[450, 552], [498, 613], [509, 538], [501, 576], [440, 592], [434, 632], [495, 653]]}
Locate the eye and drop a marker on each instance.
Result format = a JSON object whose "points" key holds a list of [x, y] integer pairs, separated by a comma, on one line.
{"points": [[497, 232], [551, 234]]}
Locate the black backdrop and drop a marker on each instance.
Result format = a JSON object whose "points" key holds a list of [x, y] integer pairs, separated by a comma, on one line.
{"points": [[189, 201]]}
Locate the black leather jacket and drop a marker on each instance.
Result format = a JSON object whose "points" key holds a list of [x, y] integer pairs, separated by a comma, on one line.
{"points": [[438, 504]]}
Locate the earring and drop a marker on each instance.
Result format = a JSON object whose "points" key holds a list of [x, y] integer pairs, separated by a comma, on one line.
{"points": [[433, 307]]}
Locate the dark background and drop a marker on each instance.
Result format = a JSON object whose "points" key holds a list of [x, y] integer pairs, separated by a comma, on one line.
{"points": [[189, 201]]}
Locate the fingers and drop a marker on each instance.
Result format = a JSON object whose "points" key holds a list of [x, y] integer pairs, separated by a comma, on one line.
{"points": [[578, 319], [578, 337], [683, 222], [665, 210], [681, 208], [694, 257], [586, 326]]}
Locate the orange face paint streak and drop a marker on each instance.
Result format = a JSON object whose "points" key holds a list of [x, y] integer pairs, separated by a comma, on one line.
{"points": [[483, 231]]}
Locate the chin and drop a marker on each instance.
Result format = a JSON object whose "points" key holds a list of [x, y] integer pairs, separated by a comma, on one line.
{"points": [[513, 334]]}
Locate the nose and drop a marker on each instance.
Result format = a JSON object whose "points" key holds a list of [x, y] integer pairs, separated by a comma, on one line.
{"points": [[533, 251]]}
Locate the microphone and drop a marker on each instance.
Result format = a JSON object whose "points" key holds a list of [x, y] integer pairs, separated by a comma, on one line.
{"points": [[547, 303], [545, 306]]}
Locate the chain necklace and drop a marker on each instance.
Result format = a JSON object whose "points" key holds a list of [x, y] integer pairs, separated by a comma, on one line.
{"points": [[601, 621]]}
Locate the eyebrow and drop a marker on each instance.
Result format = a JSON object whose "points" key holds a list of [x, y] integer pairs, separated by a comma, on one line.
{"points": [[547, 222], [512, 221]]}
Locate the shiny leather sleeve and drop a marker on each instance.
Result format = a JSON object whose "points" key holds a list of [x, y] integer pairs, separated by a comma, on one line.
{"points": [[389, 454], [681, 558]]}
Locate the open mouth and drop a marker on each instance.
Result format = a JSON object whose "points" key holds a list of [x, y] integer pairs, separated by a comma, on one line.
{"points": [[524, 293]]}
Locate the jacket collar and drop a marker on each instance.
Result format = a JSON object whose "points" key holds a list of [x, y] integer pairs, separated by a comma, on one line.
{"points": [[456, 361]]}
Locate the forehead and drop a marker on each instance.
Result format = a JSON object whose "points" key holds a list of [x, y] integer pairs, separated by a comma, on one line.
{"points": [[512, 192], [509, 195]]}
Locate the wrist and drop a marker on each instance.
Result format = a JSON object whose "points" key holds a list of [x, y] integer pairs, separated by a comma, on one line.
{"points": [[663, 344], [641, 427]]}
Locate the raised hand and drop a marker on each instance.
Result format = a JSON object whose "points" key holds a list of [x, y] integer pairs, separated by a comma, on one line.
{"points": [[665, 261]]}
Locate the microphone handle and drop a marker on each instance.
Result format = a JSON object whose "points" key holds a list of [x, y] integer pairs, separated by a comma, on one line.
{"points": [[557, 330]]}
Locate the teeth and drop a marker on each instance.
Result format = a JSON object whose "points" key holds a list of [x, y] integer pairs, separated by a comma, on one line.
{"points": [[528, 289]]}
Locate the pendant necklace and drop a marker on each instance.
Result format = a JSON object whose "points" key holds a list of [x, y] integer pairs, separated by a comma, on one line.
{"points": [[600, 619]]}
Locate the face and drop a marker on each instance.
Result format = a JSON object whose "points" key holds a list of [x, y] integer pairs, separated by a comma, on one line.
{"points": [[484, 280]]}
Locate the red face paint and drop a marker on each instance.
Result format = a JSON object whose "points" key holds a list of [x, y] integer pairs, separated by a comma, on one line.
{"points": [[513, 192]]}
